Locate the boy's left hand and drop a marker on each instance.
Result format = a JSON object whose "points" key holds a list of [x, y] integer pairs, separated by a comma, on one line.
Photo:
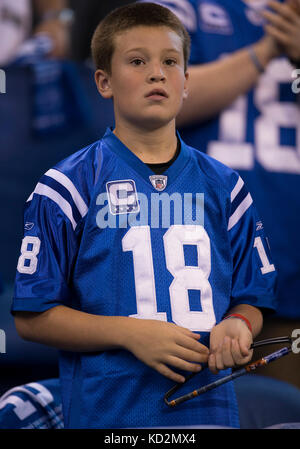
{"points": [[230, 343]]}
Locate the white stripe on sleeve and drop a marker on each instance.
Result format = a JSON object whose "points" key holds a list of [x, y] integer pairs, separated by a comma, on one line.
{"points": [[237, 188], [68, 184], [42, 189], [239, 212]]}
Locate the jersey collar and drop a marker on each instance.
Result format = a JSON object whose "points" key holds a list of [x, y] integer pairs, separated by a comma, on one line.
{"points": [[115, 145]]}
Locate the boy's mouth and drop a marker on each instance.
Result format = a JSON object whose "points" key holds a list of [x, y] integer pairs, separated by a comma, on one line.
{"points": [[157, 93]]}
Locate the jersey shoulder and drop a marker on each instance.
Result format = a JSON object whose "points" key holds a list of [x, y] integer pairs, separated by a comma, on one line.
{"points": [[216, 173], [80, 168], [70, 183], [228, 185], [83, 167]]}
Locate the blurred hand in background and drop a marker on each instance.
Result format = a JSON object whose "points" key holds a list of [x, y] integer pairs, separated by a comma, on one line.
{"points": [[283, 24]]}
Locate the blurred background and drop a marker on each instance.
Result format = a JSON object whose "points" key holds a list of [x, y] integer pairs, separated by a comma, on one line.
{"points": [[50, 108]]}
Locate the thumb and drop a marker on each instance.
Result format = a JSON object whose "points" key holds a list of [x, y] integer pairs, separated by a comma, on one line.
{"points": [[245, 343]]}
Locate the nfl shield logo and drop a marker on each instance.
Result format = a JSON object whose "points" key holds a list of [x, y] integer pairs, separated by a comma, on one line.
{"points": [[159, 182]]}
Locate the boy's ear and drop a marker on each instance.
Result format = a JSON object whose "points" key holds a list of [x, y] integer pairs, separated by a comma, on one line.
{"points": [[102, 80], [186, 85]]}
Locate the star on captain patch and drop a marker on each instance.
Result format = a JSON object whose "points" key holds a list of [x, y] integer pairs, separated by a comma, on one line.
{"points": [[159, 182]]}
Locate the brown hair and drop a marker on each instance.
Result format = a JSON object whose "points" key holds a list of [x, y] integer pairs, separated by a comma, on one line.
{"points": [[129, 16]]}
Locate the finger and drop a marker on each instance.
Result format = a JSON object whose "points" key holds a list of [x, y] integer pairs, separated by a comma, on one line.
{"points": [[281, 37], [190, 343], [189, 333], [195, 336], [241, 354], [283, 9], [191, 356], [244, 345], [219, 359], [278, 21], [167, 372], [295, 5], [214, 348], [176, 362], [227, 353], [212, 364], [236, 352], [215, 360]]}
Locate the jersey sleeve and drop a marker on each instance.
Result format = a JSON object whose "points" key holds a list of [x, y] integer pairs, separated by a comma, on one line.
{"points": [[48, 250], [254, 275]]}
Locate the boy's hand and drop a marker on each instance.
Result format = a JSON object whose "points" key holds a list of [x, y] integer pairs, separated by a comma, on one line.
{"points": [[230, 343], [160, 344], [284, 26]]}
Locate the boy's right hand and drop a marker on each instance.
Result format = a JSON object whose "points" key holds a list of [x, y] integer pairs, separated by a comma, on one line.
{"points": [[160, 344]]}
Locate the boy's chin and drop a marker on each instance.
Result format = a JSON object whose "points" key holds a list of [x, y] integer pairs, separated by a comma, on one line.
{"points": [[154, 122]]}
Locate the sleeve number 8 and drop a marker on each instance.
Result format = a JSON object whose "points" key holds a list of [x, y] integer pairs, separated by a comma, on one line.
{"points": [[30, 248]]}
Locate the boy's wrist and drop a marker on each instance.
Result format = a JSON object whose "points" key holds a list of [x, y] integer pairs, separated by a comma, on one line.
{"points": [[240, 317], [122, 331]]}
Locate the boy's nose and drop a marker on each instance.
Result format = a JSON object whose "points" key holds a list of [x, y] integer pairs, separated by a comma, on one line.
{"points": [[156, 74]]}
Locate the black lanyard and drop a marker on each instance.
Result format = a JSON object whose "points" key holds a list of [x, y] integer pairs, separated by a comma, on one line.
{"points": [[239, 372]]}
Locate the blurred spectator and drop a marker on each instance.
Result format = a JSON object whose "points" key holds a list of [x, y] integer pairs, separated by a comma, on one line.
{"points": [[54, 17], [87, 16], [26, 18], [15, 25]]}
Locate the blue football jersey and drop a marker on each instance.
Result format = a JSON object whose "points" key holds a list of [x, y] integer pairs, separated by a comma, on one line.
{"points": [[105, 235], [36, 405], [258, 135]]}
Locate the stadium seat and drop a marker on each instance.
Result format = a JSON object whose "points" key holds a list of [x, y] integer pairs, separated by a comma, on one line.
{"points": [[265, 402], [36, 405]]}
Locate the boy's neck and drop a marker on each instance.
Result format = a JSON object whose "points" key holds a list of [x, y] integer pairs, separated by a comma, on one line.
{"points": [[152, 147]]}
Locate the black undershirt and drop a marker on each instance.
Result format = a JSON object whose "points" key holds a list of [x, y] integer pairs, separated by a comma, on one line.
{"points": [[159, 169]]}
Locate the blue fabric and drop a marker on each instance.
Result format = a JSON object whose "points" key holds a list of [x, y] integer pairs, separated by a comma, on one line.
{"points": [[36, 405], [96, 264], [265, 402], [258, 134]]}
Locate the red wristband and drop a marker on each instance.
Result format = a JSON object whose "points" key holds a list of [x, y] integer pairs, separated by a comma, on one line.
{"points": [[241, 317]]}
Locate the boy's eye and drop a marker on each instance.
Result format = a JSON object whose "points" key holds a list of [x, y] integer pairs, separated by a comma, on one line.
{"points": [[137, 61], [170, 61]]}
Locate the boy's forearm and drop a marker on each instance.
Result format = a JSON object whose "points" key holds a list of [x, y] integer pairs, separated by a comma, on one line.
{"points": [[253, 315], [73, 330]]}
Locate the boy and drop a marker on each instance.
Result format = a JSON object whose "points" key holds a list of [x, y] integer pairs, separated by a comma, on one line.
{"points": [[138, 243]]}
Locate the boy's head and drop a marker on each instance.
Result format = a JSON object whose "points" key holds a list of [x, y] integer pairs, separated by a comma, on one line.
{"points": [[141, 52], [128, 17]]}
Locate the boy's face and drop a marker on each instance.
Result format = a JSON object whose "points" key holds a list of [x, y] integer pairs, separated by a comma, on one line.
{"points": [[147, 80]]}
